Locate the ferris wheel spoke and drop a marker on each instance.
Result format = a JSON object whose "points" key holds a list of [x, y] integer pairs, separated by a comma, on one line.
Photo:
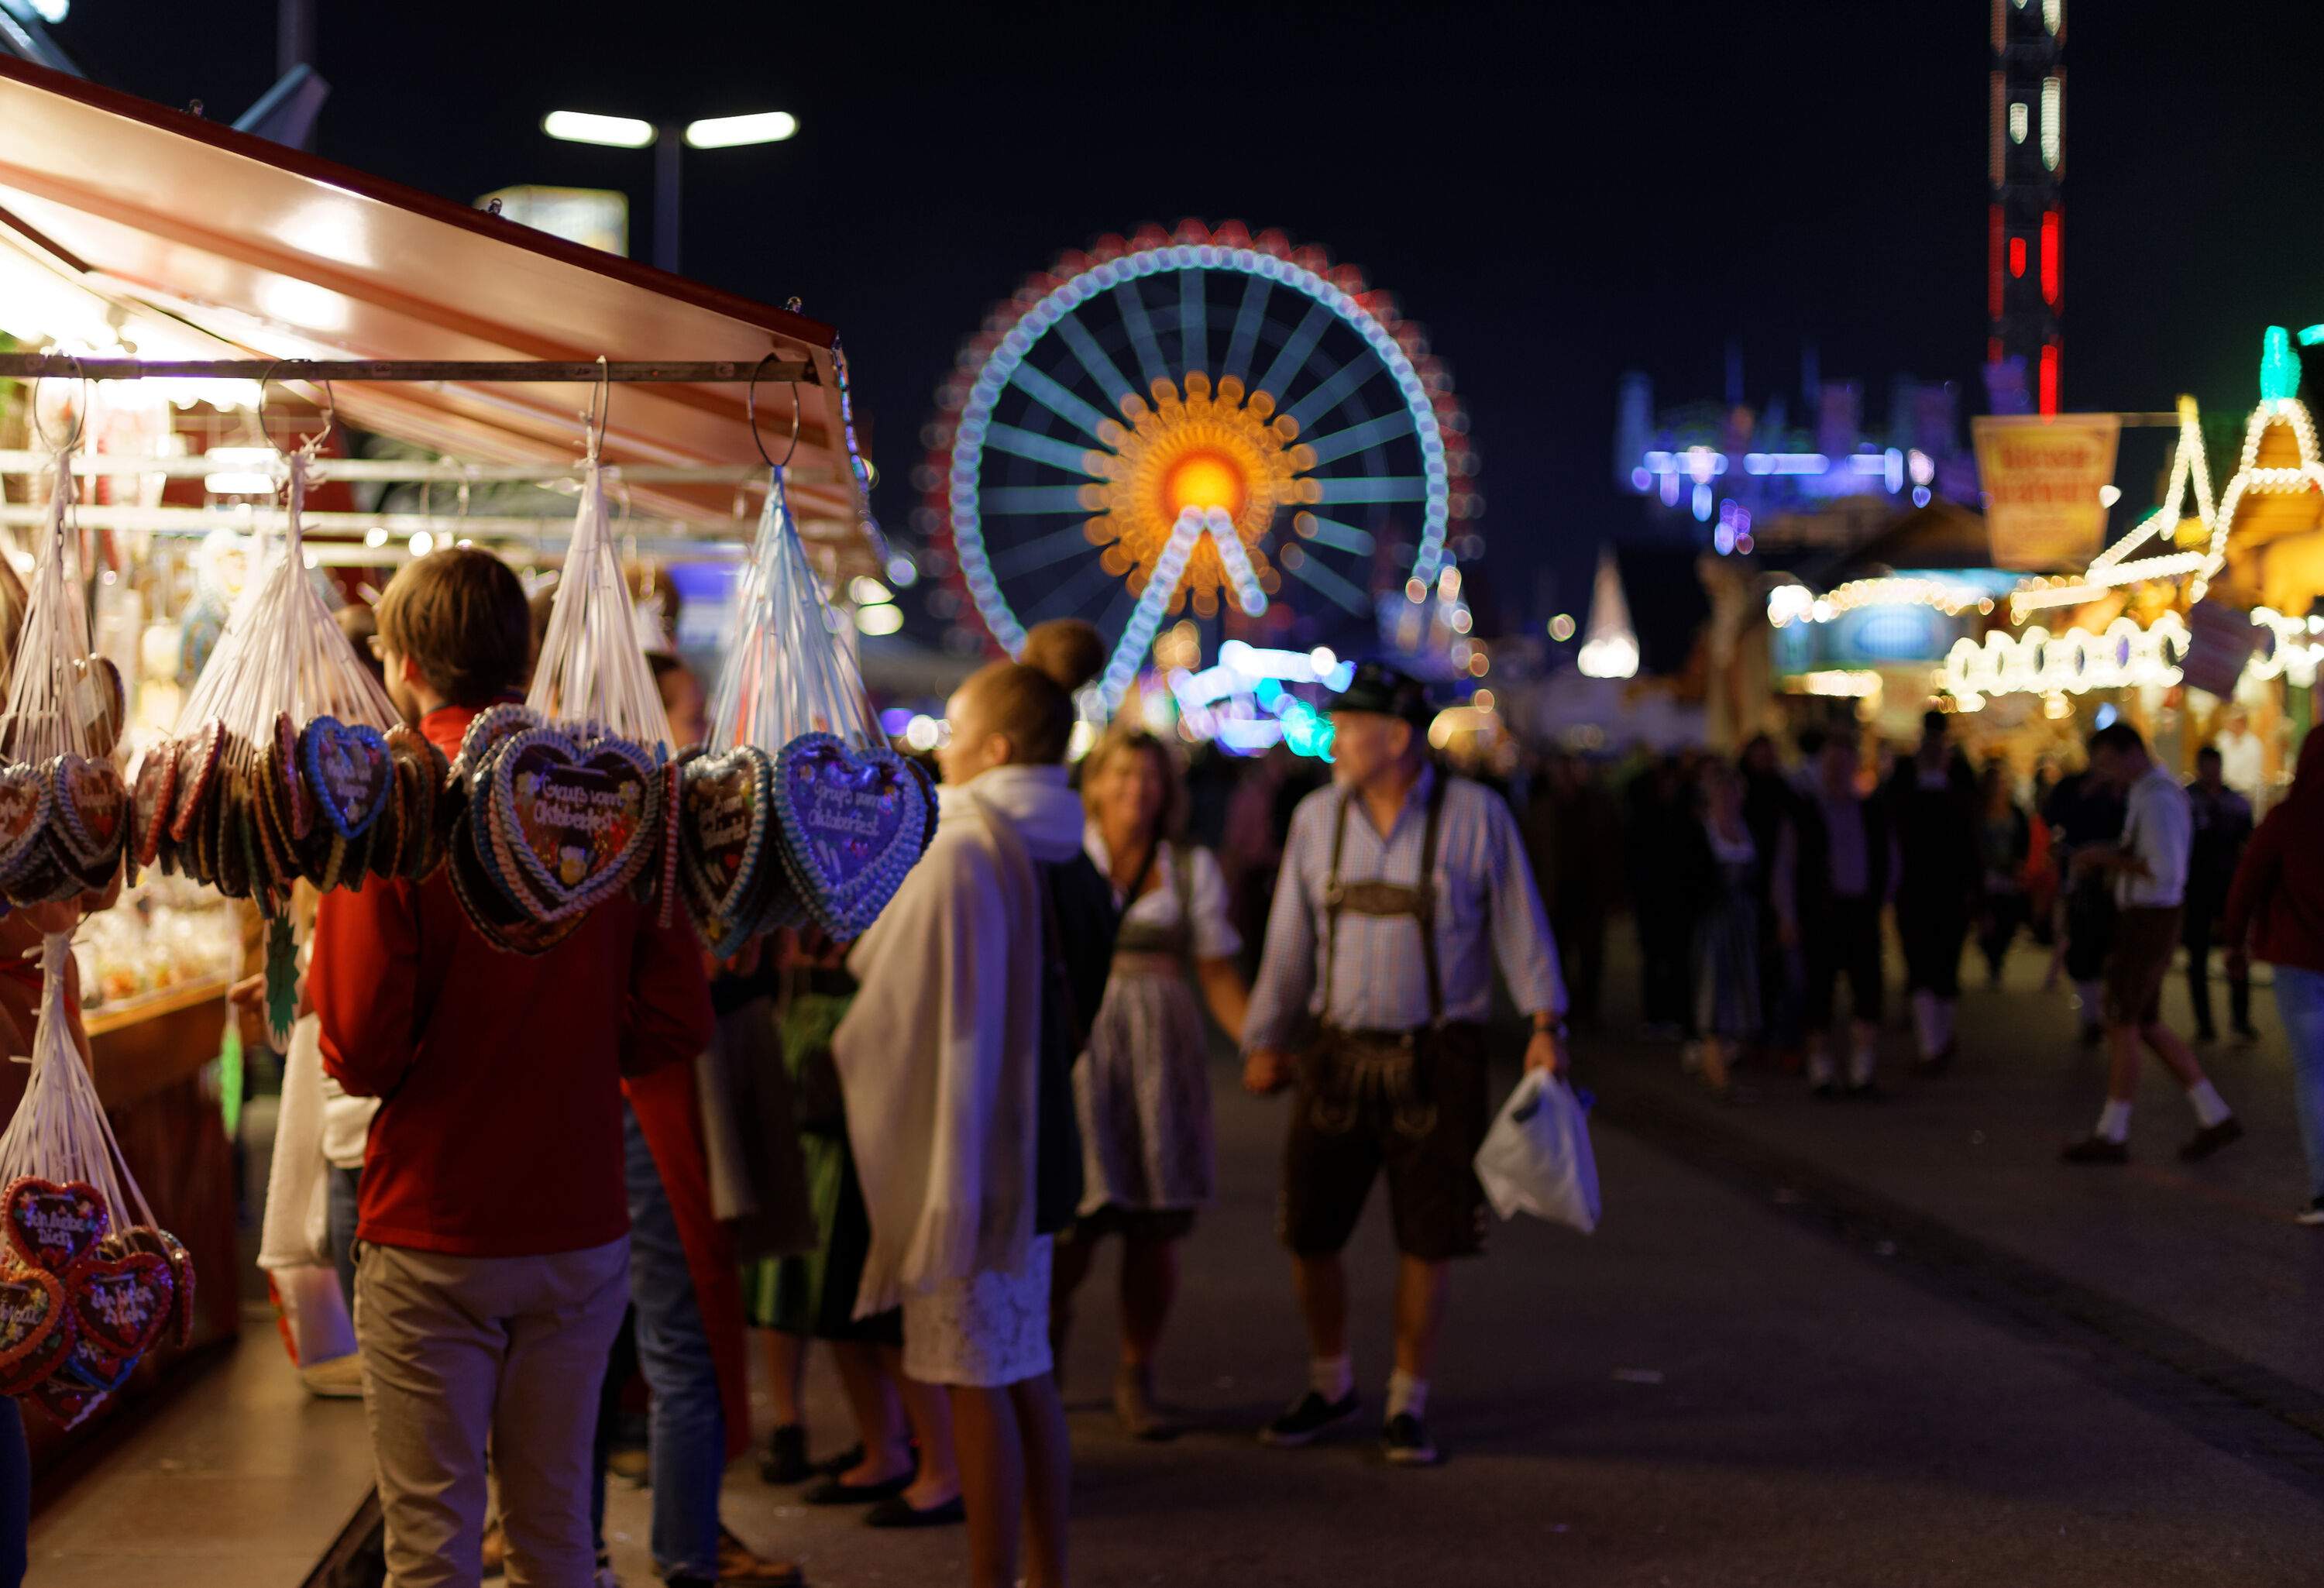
{"points": [[1293, 358], [1050, 394], [1140, 327], [1092, 358], [1018, 501], [1357, 438], [1371, 488], [1335, 387], [1311, 572], [1340, 537], [1194, 322], [1039, 448], [1248, 319], [1040, 551], [1066, 598]]}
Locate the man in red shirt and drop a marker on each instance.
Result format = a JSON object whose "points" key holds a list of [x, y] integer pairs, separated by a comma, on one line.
{"points": [[493, 1219]]}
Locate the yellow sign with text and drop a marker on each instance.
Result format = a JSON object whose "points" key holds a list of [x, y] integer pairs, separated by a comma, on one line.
{"points": [[2041, 476]]}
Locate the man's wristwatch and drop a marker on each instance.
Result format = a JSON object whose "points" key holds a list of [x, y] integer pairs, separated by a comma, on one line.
{"points": [[1549, 1025]]}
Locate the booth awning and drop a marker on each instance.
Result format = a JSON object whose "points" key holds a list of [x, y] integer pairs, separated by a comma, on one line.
{"points": [[225, 244]]}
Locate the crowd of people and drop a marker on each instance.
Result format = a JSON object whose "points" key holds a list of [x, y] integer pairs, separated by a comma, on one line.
{"points": [[1761, 894]]}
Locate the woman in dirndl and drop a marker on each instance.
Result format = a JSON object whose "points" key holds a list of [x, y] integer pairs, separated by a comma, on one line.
{"points": [[1142, 1090]]}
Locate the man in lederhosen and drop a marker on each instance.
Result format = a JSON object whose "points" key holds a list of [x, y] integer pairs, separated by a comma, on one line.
{"points": [[1401, 885]]}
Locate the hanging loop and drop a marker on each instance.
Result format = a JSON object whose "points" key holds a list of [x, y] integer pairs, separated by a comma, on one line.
{"points": [[601, 407], [311, 445], [80, 415], [751, 409]]}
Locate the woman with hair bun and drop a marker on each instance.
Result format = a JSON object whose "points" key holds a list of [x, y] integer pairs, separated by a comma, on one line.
{"points": [[978, 983]]}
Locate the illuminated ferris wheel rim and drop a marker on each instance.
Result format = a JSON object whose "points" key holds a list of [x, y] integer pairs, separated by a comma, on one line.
{"points": [[1008, 349]]}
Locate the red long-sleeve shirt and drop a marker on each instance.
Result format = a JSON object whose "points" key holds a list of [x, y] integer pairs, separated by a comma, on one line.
{"points": [[500, 1129], [2277, 902]]}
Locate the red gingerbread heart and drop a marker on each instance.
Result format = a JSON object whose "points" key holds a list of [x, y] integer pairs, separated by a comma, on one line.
{"points": [[53, 1227], [157, 783], [69, 1403], [197, 760], [36, 1330], [121, 1304]]}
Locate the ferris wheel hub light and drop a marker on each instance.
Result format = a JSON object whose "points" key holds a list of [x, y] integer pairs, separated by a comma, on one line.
{"points": [[1205, 480]]}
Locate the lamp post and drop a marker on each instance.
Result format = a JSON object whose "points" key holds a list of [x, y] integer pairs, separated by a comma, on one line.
{"points": [[622, 131]]}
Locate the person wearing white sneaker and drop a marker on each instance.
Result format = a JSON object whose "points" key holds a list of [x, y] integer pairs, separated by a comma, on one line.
{"points": [[2148, 867], [1398, 855]]}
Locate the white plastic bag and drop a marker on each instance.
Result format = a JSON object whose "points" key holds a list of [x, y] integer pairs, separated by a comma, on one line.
{"points": [[1537, 1158]]}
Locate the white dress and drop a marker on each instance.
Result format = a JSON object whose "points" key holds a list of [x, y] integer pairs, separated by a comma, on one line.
{"points": [[1143, 1089]]}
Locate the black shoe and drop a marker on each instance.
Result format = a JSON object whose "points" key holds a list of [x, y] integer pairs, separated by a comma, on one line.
{"points": [[847, 1461], [2245, 1034], [2210, 1139], [2096, 1149], [1826, 1090], [1406, 1442], [2093, 1035], [896, 1511], [1308, 1418], [1865, 1092], [831, 1491], [2205, 1034], [786, 1461]]}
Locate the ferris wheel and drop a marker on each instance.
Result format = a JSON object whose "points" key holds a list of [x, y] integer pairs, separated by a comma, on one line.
{"points": [[1205, 423]]}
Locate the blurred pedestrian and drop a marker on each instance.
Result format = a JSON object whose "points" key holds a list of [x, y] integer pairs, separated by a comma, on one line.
{"points": [[1573, 838], [1932, 797], [1729, 887], [1656, 830], [2083, 812], [2223, 827], [2004, 851], [1142, 1088], [2148, 868], [2275, 913], [1401, 888], [1832, 882], [1770, 808]]}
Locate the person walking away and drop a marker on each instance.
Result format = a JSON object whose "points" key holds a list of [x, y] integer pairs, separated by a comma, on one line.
{"points": [[1728, 890], [1401, 887], [1656, 827], [1572, 832], [1142, 1089], [943, 1060], [2005, 852], [2223, 827], [493, 1216], [2082, 812], [2148, 868], [1933, 801], [1832, 878], [1769, 803], [2275, 913]]}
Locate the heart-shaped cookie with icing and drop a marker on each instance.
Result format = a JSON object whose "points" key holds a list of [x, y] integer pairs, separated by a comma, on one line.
{"points": [[24, 800], [35, 1327], [197, 760], [854, 822], [725, 821], [157, 781], [53, 1227], [496, 918], [347, 771], [69, 1403], [91, 807], [577, 818], [120, 1304]]}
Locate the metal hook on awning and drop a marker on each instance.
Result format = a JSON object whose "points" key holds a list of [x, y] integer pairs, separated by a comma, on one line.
{"points": [[601, 407], [751, 409], [80, 415], [309, 444]]}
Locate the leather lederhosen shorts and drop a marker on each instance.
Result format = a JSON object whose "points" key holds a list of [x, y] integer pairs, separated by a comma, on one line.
{"points": [[1416, 1105]]}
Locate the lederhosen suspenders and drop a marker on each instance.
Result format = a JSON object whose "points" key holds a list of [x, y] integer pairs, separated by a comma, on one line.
{"points": [[1416, 901]]}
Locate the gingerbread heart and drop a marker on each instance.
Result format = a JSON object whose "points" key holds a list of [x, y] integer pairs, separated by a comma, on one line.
{"points": [[348, 772], [488, 730], [157, 781], [295, 805], [120, 1304], [35, 1327], [197, 760], [69, 1403], [91, 805], [24, 800], [726, 837], [853, 823], [53, 1227], [497, 920], [578, 819]]}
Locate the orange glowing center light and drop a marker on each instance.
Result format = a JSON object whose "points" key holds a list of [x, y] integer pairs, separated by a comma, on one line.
{"points": [[1201, 446], [1205, 480]]}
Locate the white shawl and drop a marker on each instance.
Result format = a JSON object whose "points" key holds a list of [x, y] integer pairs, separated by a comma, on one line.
{"points": [[939, 1057]]}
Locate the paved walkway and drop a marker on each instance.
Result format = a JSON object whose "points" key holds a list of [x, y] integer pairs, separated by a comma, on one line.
{"points": [[1810, 1345]]}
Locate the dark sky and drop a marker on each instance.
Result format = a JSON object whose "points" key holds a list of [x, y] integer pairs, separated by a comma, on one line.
{"points": [[1557, 191]]}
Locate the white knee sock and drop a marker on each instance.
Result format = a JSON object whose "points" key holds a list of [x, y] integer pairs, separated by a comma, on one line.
{"points": [[2113, 1122], [1333, 1377], [2209, 1107], [1407, 1394]]}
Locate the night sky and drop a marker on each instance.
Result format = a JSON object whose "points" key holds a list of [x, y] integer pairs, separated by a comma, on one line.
{"points": [[1557, 191]]}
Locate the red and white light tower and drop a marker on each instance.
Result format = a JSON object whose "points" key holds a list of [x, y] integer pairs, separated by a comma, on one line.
{"points": [[2026, 227]]}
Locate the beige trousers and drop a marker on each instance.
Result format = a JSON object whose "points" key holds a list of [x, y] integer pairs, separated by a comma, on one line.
{"points": [[459, 1352]]}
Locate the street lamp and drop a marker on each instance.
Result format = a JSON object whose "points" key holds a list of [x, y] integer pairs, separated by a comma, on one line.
{"points": [[624, 131]]}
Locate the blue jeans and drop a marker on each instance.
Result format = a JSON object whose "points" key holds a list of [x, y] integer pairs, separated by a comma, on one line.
{"points": [[2299, 1001], [342, 1184], [15, 1495], [686, 1427]]}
